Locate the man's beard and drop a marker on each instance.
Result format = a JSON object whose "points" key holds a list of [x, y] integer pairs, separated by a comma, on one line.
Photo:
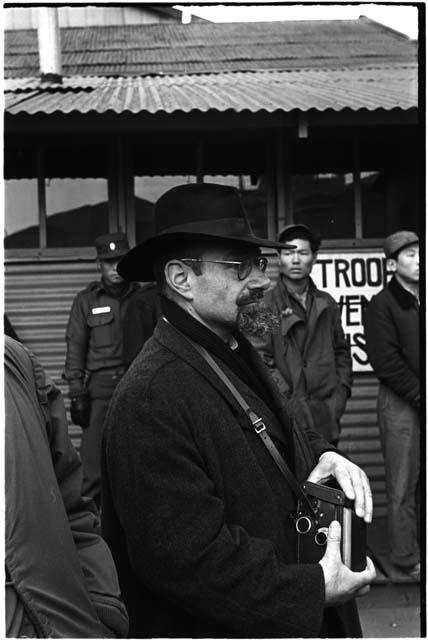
{"points": [[254, 317]]}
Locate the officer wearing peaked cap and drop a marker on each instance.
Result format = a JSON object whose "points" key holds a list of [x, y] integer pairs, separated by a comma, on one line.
{"points": [[94, 359]]}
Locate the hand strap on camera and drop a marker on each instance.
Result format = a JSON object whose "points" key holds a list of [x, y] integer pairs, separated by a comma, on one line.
{"points": [[257, 423]]}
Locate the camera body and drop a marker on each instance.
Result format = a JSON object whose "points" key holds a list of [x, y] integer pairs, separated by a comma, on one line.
{"points": [[329, 503]]}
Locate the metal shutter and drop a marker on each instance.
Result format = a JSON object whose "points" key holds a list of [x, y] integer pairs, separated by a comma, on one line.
{"points": [[38, 298]]}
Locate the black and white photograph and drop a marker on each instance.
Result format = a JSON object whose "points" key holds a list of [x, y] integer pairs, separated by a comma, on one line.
{"points": [[214, 360]]}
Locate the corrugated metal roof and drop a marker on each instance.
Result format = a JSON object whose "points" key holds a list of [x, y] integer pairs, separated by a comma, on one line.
{"points": [[355, 89], [207, 47]]}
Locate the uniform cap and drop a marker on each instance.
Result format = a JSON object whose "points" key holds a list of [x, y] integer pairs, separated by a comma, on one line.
{"points": [[111, 245], [397, 241]]}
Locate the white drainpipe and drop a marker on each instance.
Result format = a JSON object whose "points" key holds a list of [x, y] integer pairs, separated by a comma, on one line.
{"points": [[49, 45]]}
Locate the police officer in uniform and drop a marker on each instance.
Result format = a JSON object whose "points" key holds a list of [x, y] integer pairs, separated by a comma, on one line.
{"points": [[94, 359]]}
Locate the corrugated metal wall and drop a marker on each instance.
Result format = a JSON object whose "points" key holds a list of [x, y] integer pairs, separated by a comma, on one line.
{"points": [[360, 436], [38, 297]]}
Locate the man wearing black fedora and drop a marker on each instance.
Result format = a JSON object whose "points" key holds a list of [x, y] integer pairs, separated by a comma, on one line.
{"points": [[197, 441]]}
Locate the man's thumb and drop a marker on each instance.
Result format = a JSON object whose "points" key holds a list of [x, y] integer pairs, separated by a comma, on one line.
{"points": [[333, 539]]}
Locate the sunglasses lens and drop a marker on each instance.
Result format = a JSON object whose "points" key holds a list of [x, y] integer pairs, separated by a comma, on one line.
{"points": [[245, 267]]}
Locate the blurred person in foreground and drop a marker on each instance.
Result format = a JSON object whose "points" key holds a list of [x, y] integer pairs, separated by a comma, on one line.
{"points": [[197, 514], [307, 354], [392, 333], [61, 581], [94, 359]]}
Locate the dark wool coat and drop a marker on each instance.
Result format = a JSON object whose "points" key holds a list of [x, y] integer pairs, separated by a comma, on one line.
{"points": [[194, 508], [391, 325], [325, 363]]}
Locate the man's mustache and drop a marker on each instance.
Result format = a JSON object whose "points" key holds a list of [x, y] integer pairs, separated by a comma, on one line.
{"points": [[257, 295]]}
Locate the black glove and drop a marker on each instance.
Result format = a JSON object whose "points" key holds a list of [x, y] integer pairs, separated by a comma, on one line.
{"points": [[80, 409]]}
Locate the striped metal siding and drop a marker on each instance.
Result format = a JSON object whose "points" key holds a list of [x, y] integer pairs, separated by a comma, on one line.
{"points": [[360, 436], [38, 297]]}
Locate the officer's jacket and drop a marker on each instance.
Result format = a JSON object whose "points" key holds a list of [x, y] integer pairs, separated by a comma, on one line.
{"points": [[94, 333]]}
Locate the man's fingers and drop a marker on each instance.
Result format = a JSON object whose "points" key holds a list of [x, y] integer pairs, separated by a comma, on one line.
{"points": [[334, 536], [370, 569], [369, 500], [363, 496], [345, 479], [356, 486]]}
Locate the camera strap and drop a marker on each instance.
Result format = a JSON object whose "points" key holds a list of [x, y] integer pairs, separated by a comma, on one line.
{"points": [[257, 423]]}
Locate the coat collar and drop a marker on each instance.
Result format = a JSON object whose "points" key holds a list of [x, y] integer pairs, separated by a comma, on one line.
{"points": [[405, 299], [289, 318]]}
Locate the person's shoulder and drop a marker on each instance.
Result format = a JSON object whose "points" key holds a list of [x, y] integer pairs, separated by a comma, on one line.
{"points": [[146, 291], [15, 351], [149, 287], [90, 288], [320, 293], [381, 298], [158, 373]]}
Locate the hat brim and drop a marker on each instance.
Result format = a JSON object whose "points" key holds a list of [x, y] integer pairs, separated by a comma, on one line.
{"points": [[137, 264], [114, 254]]}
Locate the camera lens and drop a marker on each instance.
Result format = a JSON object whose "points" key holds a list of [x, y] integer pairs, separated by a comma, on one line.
{"points": [[303, 524], [321, 537]]}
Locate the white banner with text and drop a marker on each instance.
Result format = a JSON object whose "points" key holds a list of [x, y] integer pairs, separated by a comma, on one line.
{"points": [[352, 278]]}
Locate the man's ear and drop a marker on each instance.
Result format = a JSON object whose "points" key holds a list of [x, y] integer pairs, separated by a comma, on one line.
{"points": [[391, 265], [178, 278]]}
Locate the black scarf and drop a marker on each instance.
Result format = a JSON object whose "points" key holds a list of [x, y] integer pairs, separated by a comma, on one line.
{"points": [[237, 360]]}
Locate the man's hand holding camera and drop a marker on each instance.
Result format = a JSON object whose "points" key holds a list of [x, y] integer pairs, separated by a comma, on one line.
{"points": [[342, 584], [351, 478]]}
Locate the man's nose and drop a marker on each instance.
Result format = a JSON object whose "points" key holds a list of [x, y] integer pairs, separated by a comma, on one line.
{"points": [[258, 280], [295, 257]]}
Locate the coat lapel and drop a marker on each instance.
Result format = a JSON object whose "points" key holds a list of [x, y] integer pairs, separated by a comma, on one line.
{"points": [[319, 306]]}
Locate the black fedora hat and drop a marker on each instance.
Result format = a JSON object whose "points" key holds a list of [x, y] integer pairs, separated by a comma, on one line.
{"points": [[201, 211]]}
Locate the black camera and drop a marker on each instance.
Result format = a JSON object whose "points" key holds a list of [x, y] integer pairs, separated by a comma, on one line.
{"points": [[328, 502]]}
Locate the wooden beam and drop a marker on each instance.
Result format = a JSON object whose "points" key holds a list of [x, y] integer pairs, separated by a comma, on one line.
{"points": [[112, 194], [130, 210], [41, 198], [271, 189], [358, 209], [121, 170], [210, 120], [200, 161]]}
